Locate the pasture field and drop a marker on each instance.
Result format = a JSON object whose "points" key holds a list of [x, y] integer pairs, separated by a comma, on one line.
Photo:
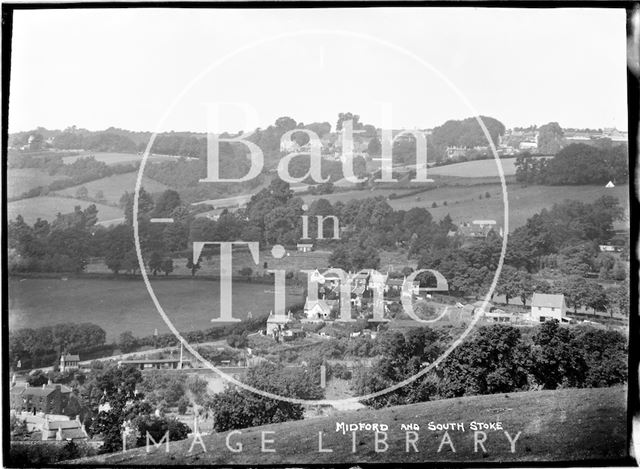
{"points": [[476, 168], [116, 158], [20, 180], [48, 207], [118, 305], [579, 425], [114, 186]]}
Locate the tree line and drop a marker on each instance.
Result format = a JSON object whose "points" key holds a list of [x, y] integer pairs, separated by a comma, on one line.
{"points": [[495, 359], [576, 164]]}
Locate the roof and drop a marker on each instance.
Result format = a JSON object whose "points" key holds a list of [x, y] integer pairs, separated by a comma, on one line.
{"points": [[544, 300], [17, 390], [73, 434], [395, 282], [310, 304], [33, 391], [64, 424], [278, 318], [71, 358], [165, 360]]}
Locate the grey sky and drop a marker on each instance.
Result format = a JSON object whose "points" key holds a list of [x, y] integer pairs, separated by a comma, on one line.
{"points": [[123, 68]]}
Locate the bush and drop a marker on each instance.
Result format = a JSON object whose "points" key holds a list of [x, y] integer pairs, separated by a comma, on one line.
{"points": [[340, 371], [183, 403]]}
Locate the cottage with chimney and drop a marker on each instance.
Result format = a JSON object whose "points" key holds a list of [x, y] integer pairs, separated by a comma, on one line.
{"points": [[48, 399], [545, 307], [63, 430]]}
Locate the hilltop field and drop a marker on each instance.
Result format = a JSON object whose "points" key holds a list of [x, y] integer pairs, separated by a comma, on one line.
{"points": [[567, 425]]}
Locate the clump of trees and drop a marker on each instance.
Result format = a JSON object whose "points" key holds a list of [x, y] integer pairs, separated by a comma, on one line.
{"points": [[494, 359], [237, 408], [42, 346], [575, 164]]}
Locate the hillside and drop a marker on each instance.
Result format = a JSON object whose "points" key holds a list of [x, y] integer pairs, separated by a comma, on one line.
{"points": [[113, 187], [21, 180], [48, 207], [564, 425], [463, 203]]}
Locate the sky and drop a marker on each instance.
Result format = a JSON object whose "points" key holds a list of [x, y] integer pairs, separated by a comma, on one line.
{"points": [[226, 69]]}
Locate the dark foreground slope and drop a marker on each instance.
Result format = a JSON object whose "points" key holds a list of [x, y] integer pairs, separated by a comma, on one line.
{"points": [[563, 425]]}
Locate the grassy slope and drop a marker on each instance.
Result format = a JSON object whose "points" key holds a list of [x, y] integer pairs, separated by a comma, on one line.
{"points": [[20, 180], [113, 187], [464, 204], [48, 207], [564, 425], [477, 168]]}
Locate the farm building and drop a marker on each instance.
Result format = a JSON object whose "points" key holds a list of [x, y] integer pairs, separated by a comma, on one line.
{"points": [[545, 306]]}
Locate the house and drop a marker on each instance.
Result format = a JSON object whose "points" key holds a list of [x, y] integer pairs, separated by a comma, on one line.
{"points": [[475, 230], [159, 364], [69, 362], [304, 247], [545, 306], [48, 399], [63, 430], [316, 310], [277, 322]]}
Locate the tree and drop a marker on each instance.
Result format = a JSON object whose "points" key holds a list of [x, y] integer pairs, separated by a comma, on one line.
{"points": [[576, 290], [237, 408], [166, 203], [166, 266], [493, 361], [37, 379], [550, 138], [193, 267], [82, 193], [155, 262], [596, 298], [119, 243], [346, 116], [556, 359], [246, 272], [606, 355], [127, 342], [374, 147]]}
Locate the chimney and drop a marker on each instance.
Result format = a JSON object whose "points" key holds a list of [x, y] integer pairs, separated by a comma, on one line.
{"points": [[43, 386]]}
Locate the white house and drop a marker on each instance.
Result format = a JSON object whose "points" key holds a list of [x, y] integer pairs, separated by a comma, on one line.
{"points": [[545, 306], [317, 310]]}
